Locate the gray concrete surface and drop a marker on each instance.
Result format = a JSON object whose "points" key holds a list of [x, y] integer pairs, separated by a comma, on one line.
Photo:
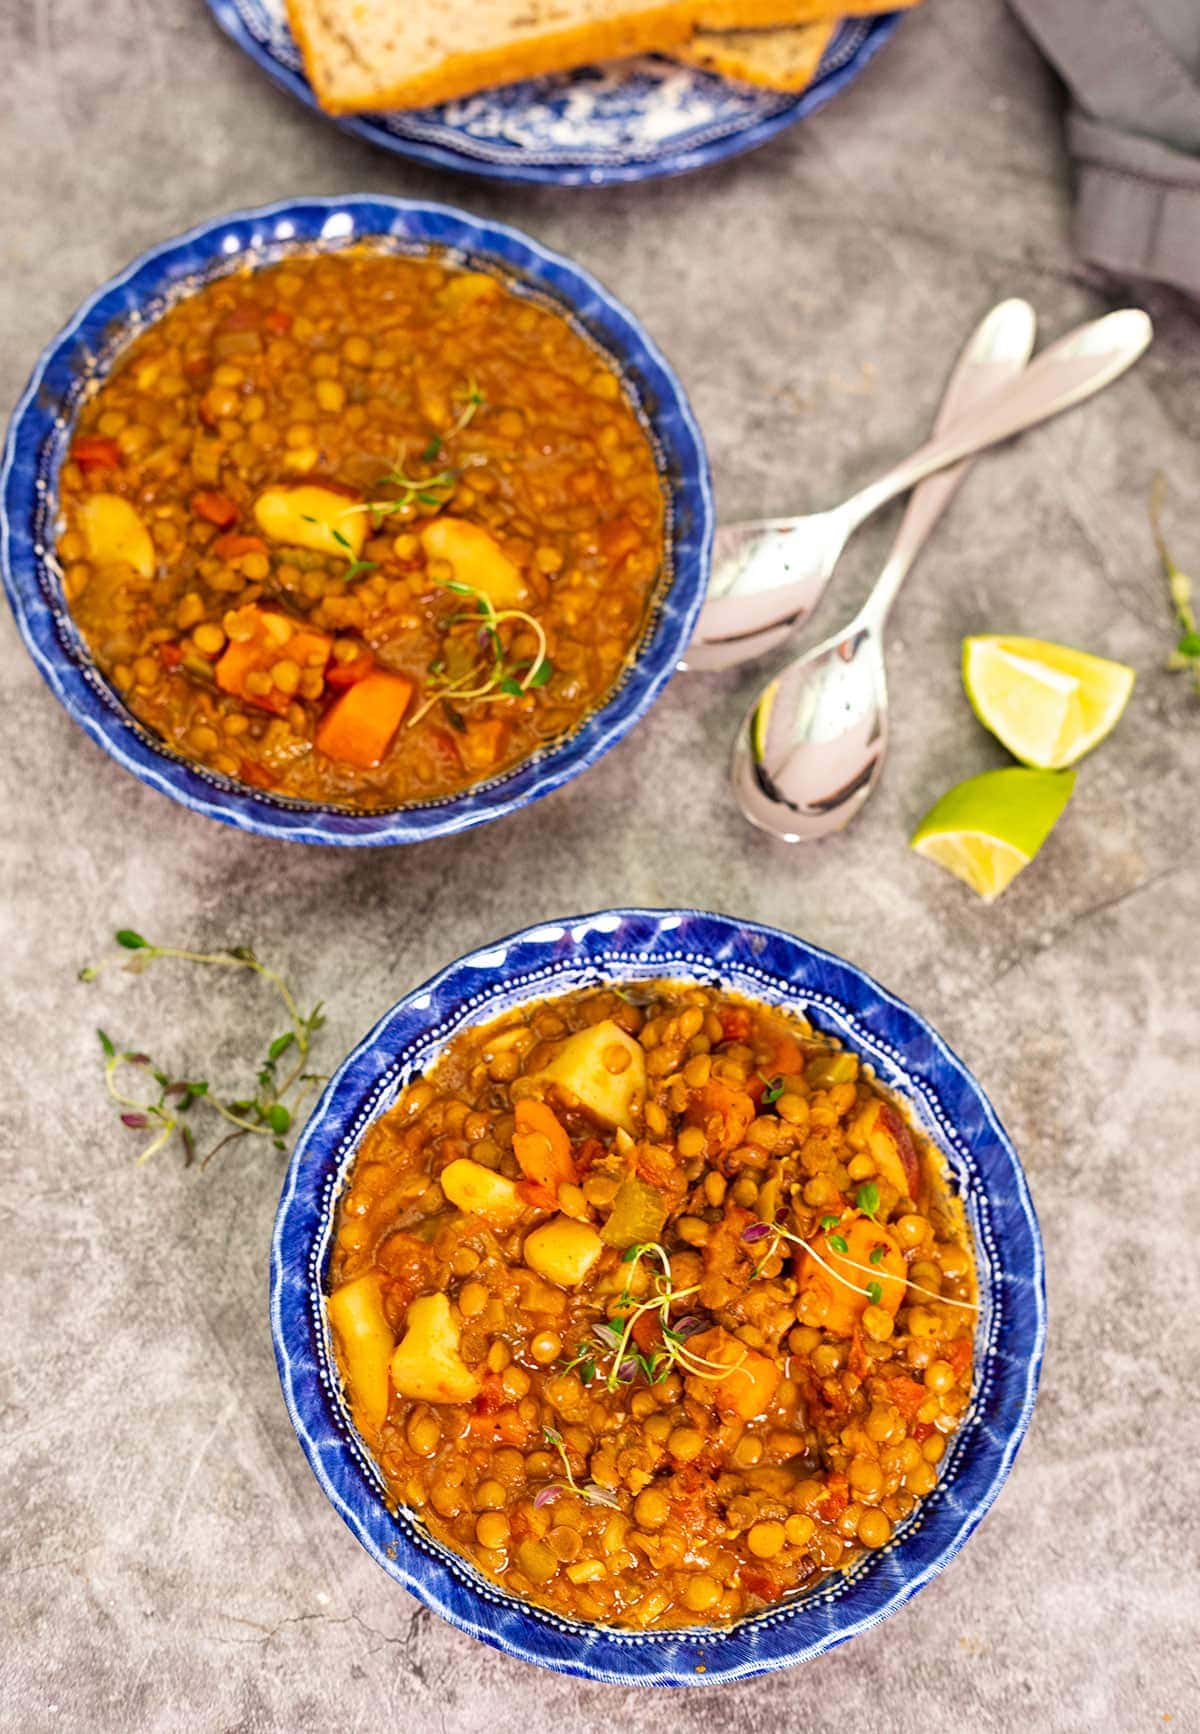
{"points": [[166, 1559]]}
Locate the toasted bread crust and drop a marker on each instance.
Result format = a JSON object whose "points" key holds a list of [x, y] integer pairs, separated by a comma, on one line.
{"points": [[784, 59], [661, 28]]}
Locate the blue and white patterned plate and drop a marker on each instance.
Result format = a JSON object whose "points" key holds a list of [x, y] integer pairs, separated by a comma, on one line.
{"points": [[627, 121], [86, 349], [908, 1056]]}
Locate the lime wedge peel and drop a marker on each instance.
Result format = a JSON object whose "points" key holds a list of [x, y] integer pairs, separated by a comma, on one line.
{"points": [[1049, 704], [987, 829]]}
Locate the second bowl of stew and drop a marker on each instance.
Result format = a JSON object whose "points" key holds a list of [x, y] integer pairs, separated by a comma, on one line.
{"points": [[355, 521], [657, 1298]]}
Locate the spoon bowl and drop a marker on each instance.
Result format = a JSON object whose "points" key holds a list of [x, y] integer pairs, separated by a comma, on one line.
{"points": [[821, 726]]}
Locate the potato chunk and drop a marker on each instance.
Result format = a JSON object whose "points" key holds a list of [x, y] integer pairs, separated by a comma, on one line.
{"points": [[477, 559], [480, 1191], [357, 1318], [114, 534], [312, 517], [889, 1140], [563, 1251], [605, 1070], [427, 1365]]}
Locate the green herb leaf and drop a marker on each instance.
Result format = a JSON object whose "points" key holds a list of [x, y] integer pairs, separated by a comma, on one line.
{"points": [[552, 1435], [357, 566], [868, 1198], [876, 1255], [279, 1118], [830, 1221], [630, 1253], [838, 1244], [432, 449], [281, 1044], [512, 687], [541, 674], [587, 1372], [1189, 644], [107, 1044], [874, 1293], [773, 1090], [130, 940]]}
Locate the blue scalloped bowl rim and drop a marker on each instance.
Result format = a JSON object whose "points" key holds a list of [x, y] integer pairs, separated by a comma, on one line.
{"points": [[908, 1055], [40, 428], [429, 139]]}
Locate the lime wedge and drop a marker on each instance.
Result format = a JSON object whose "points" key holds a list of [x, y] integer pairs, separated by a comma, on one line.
{"points": [[1049, 704], [986, 829]]}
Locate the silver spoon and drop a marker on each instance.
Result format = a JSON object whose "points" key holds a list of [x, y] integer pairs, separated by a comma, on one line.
{"points": [[810, 750], [769, 575]]}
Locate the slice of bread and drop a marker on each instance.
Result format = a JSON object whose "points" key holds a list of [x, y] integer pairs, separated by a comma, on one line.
{"points": [[783, 59], [380, 54]]}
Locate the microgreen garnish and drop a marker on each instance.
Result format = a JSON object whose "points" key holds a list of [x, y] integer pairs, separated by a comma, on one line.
{"points": [[408, 492], [615, 1336], [495, 676], [830, 1221], [590, 1491], [837, 1243], [1186, 653], [773, 1090], [269, 1112], [877, 1255], [867, 1199]]}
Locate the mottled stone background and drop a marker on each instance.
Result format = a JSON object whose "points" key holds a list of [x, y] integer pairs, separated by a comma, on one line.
{"points": [[167, 1559]]}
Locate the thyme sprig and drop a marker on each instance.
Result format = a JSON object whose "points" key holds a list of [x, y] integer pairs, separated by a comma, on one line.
{"points": [[775, 1232], [484, 682], [1186, 653], [612, 1339], [268, 1112]]}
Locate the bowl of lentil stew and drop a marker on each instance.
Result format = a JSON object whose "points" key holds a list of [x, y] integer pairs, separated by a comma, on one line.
{"points": [[393, 1190], [479, 608]]}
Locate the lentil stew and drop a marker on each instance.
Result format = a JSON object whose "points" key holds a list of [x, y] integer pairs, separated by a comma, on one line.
{"points": [[361, 528], [653, 1304]]}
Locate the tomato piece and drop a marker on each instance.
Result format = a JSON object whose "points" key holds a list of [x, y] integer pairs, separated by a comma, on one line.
{"points": [[94, 452], [960, 1356], [234, 546], [217, 508], [735, 1023], [533, 1192], [340, 674], [837, 1498], [278, 321], [170, 655]]}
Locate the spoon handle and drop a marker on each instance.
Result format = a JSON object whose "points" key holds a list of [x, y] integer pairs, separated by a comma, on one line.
{"points": [[1071, 370], [997, 353]]}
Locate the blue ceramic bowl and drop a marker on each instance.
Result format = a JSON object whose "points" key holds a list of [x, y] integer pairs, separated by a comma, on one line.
{"points": [[628, 120], [86, 348], [622, 945]]}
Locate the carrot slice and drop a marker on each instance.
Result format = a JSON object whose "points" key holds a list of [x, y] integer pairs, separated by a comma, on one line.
{"points": [[272, 637], [360, 726], [542, 1147], [845, 1303]]}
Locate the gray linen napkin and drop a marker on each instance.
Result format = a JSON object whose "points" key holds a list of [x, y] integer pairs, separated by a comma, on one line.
{"points": [[1133, 70]]}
